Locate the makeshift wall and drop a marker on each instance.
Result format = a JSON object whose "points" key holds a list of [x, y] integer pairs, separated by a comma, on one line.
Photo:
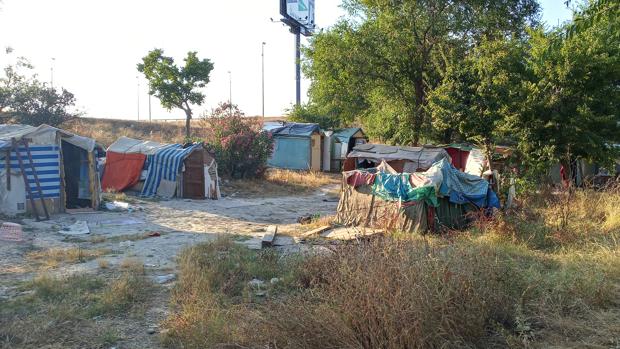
{"points": [[316, 145], [291, 153], [46, 159], [359, 207]]}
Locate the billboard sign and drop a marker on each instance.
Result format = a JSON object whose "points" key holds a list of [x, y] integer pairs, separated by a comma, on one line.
{"points": [[298, 13]]}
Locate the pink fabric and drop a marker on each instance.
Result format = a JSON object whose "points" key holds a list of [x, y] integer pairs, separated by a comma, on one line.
{"points": [[357, 178]]}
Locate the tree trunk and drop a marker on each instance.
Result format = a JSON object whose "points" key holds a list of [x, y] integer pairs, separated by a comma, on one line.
{"points": [[188, 118], [418, 118]]}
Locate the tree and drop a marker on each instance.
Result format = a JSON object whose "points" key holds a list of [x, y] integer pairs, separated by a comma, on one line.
{"points": [[240, 145], [311, 113], [176, 87], [389, 54], [24, 99], [573, 96], [479, 94]]}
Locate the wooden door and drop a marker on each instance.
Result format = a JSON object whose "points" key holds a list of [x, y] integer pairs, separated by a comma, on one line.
{"points": [[194, 177]]}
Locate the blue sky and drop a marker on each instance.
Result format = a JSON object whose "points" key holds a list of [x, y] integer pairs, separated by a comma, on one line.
{"points": [[96, 46]]}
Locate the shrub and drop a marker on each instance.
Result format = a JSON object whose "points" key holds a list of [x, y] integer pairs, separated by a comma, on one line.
{"points": [[239, 143]]}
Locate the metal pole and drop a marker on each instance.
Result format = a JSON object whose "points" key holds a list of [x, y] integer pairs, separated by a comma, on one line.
{"points": [[297, 66], [230, 92], [138, 94], [52, 72], [149, 102], [263, 75]]}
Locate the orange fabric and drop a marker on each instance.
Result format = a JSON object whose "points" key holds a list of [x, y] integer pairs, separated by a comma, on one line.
{"points": [[122, 170]]}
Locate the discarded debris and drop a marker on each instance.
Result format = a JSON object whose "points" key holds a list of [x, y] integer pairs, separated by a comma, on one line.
{"points": [[154, 234], [77, 228], [126, 243], [274, 281], [162, 279], [350, 233], [117, 206], [269, 236], [256, 283], [315, 231], [11, 232], [304, 220]]}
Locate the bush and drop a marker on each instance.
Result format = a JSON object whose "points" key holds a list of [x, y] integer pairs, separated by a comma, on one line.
{"points": [[240, 145]]}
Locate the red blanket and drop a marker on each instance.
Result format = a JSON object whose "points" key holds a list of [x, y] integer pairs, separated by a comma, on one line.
{"points": [[122, 171]]}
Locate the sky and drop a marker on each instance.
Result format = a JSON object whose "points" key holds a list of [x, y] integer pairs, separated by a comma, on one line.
{"points": [[93, 47]]}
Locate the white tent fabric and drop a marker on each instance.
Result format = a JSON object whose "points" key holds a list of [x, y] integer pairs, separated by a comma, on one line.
{"points": [[43, 134], [126, 145]]}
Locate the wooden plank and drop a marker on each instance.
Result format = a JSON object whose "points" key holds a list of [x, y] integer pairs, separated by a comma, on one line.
{"points": [[25, 176], [36, 179], [270, 235], [315, 231]]}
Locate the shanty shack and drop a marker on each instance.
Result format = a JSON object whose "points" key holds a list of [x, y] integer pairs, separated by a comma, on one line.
{"points": [[46, 169], [165, 170], [297, 146], [340, 143], [440, 197]]}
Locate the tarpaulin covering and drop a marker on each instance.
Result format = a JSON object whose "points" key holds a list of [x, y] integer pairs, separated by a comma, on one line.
{"points": [[413, 202], [464, 188], [164, 166], [419, 157], [292, 129], [122, 171], [8, 132], [397, 187], [126, 145]]}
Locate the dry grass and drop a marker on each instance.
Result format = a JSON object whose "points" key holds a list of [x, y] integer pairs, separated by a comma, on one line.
{"points": [[103, 264], [545, 276], [279, 182], [107, 131], [66, 312], [134, 265], [52, 257]]}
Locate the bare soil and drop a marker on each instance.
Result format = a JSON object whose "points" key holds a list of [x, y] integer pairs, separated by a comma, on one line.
{"points": [[154, 234]]}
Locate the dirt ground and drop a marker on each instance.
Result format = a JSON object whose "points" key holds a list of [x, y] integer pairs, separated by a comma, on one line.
{"points": [[153, 233]]}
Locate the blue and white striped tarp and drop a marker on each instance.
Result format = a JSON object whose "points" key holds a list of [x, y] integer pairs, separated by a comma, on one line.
{"points": [[46, 160], [165, 164]]}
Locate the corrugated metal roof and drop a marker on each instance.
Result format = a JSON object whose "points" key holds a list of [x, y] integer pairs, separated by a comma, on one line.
{"points": [[343, 135]]}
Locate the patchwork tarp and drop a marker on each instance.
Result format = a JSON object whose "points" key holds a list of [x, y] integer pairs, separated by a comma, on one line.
{"points": [[412, 201], [398, 187], [419, 157], [163, 168]]}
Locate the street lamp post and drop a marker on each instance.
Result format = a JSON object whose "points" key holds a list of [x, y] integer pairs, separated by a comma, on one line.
{"points": [[138, 95], [263, 75], [52, 72], [230, 91]]}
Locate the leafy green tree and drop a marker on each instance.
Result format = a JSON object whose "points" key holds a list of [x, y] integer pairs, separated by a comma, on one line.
{"points": [[311, 113], [177, 86], [573, 97], [24, 99], [479, 94], [389, 54]]}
